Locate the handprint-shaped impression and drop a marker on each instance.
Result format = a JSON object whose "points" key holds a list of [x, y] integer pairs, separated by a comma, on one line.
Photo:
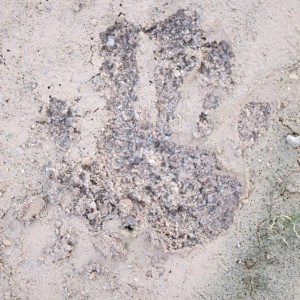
{"points": [[179, 192]]}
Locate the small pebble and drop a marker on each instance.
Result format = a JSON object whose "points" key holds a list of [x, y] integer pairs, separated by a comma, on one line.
{"points": [[111, 42], [245, 201], [91, 216], [210, 198], [69, 248], [291, 188], [126, 206], [293, 140], [76, 8], [58, 224], [293, 76], [93, 205], [131, 221], [196, 135], [17, 152], [92, 275], [94, 22], [177, 73], [6, 243], [149, 273]]}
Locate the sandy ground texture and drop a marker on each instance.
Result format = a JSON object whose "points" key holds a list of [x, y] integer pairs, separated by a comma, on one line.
{"points": [[144, 150]]}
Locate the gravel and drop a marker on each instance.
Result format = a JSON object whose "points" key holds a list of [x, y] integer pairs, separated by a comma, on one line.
{"points": [[139, 175]]}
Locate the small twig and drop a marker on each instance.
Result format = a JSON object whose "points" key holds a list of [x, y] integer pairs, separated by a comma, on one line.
{"points": [[258, 231]]}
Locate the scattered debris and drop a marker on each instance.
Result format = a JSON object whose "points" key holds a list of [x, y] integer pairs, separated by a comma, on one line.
{"points": [[178, 191], [66, 241], [179, 38], [205, 125], [181, 193], [216, 62], [253, 120], [60, 118], [31, 209], [211, 101]]}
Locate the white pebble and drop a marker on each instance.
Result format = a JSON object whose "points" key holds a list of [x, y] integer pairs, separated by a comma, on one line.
{"points": [[94, 22], [6, 243], [293, 140], [111, 42], [293, 76], [177, 73]]}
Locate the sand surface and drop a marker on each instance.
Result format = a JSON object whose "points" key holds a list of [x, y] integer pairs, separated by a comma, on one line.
{"points": [[144, 150]]}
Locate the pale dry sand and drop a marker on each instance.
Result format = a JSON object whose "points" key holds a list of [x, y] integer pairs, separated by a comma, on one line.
{"points": [[52, 245]]}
